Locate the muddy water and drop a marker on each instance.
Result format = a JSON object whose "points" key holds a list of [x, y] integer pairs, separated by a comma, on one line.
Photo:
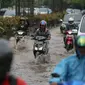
{"points": [[24, 65]]}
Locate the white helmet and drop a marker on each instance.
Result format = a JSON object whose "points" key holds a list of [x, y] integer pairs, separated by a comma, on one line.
{"points": [[61, 20], [71, 20]]}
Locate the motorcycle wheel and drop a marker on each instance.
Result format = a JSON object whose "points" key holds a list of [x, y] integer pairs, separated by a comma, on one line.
{"points": [[34, 54], [39, 58], [47, 58], [69, 47], [17, 40]]}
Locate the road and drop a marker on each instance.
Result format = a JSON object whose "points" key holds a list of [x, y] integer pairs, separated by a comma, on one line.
{"points": [[24, 63]]}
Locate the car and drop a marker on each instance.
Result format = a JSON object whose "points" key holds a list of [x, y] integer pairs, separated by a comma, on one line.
{"points": [[81, 30], [2, 11], [76, 10], [9, 13], [69, 10], [83, 12], [45, 11], [36, 11], [77, 18]]}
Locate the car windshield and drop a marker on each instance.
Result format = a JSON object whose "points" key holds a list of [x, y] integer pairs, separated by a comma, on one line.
{"points": [[69, 10], [43, 10], [82, 29], [10, 13], [77, 11], [77, 17]]}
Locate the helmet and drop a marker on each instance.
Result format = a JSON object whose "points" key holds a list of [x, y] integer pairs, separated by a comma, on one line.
{"points": [[43, 25], [71, 20], [6, 56], [80, 45], [61, 20]]}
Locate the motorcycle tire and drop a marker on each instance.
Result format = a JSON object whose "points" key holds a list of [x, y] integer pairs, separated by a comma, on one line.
{"points": [[47, 58], [39, 58], [34, 54], [17, 40], [68, 47]]}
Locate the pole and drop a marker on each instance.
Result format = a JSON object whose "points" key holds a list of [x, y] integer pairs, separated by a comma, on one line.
{"points": [[0, 3]]}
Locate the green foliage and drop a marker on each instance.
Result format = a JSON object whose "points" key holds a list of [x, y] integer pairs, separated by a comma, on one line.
{"points": [[6, 3], [6, 24], [47, 17]]}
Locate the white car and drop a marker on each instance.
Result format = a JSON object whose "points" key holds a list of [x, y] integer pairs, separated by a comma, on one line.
{"points": [[81, 30], [69, 10], [9, 13], [45, 11], [36, 11]]}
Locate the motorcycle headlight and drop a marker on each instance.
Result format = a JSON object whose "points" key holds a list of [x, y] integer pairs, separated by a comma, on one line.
{"points": [[20, 33], [70, 32], [36, 48], [40, 48]]}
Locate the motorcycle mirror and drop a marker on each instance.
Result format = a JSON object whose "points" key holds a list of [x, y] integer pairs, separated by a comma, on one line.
{"points": [[74, 31]]}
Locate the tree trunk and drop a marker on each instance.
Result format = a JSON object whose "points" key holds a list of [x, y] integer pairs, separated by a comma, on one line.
{"points": [[32, 7], [18, 7]]}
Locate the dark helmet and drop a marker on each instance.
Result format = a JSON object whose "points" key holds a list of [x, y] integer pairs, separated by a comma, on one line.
{"points": [[43, 25], [6, 56], [80, 45]]}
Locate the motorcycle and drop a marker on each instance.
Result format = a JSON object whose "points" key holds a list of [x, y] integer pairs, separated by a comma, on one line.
{"points": [[72, 83], [19, 35], [70, 36], [69, 40], [40, 49]]}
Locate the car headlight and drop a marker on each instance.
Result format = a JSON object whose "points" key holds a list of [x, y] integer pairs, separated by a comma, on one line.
{"points": [[40, 48], [36, 48]]}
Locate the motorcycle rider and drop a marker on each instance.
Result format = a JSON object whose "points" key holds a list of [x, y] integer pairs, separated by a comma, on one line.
{"points": [[6, 57], [43, 31], [71, 25], [24, 24], [72, 67]]}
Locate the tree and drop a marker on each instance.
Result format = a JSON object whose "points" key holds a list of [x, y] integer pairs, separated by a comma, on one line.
{"points": [[17, 3], [6, 3], [32, 7]]}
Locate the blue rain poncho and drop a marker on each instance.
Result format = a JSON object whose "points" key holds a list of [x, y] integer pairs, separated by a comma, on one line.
{"points": [[69, 69]]}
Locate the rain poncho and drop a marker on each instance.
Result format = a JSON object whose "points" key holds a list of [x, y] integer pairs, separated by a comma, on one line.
{"points": [[70, 68]]}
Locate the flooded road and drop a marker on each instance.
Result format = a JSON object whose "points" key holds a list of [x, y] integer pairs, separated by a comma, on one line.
{"points": [[25, 67]]}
